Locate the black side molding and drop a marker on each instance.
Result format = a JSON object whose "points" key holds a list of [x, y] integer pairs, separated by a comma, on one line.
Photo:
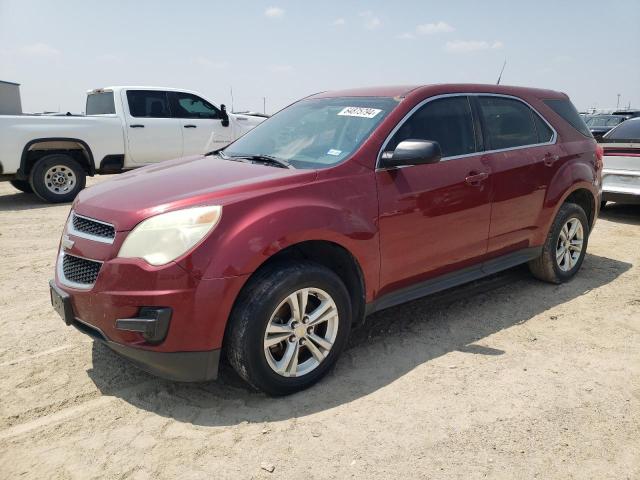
{"points": [[453, 279]]}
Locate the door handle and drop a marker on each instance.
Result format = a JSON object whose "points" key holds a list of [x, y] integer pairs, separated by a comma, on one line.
{"points": [[474, 178], [549, 159], [190, 126], [136, 125]]}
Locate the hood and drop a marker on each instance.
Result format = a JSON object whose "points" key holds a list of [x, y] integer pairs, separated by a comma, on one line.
{"points": [[129, 198], [246, 122]]}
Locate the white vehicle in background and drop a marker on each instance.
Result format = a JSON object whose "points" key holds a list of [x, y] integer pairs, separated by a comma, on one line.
{"points": [[123, 128], [621, 172]]}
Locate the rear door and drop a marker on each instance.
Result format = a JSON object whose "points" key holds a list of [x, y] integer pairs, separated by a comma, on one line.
{"points": [[152, 134], [434, 218], [201, 124], [521, 152]]}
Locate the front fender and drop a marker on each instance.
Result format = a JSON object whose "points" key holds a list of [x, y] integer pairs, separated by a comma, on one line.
{"points": [[253, 230]]}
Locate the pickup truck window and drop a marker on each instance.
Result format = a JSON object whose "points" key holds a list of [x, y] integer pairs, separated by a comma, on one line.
{"points": [[315, 133], [447, 121], [100, 104], [148, 103], [187, 105]]}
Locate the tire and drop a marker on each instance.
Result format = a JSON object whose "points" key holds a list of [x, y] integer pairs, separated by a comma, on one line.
{"points": [[547, 267], [263, 303], [69, 174], [22, 185]]}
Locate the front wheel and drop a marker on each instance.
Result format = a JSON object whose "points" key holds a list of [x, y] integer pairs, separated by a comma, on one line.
{"points": [[288, 327], [565, 247], [57, 178]]}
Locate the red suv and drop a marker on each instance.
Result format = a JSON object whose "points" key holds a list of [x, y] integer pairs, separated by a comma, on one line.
{"points": [[344, 203]]}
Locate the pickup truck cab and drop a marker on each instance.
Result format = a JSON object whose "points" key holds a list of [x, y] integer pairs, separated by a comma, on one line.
{"points": [[340, 205], [123, 128]]}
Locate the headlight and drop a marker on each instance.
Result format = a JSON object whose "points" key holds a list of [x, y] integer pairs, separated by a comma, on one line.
{"points": [[165, 237]]}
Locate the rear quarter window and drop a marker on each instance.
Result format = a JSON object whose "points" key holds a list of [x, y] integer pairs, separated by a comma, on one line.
{"points": [[568, 112]]}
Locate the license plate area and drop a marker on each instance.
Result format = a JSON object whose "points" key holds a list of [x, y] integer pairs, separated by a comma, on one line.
{"points": [[61, 303]]}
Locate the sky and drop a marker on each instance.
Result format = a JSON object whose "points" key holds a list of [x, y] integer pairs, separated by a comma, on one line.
{"points": [[283, 50]]}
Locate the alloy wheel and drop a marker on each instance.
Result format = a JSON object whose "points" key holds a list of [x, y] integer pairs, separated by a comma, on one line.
{"points": [[569, 245], [301, 332]]}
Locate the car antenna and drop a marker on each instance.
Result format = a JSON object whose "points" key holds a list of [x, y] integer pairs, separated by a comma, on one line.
{"points": [[501, 71]]}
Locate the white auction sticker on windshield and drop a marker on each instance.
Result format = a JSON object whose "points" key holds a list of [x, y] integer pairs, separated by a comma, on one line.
{"points": [[359, 112]]}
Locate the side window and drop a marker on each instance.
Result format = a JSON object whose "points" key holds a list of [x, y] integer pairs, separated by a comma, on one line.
{"points": [[447, 121], [186, 105], [566, 110], [545, 134], [148, 103], [507, 122]]}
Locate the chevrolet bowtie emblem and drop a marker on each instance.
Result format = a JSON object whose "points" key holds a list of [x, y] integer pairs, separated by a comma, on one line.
{"points": [[67, 243]]}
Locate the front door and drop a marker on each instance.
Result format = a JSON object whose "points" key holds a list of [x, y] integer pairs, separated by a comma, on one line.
{"points": [[201, 123], [152, 134], [434, 218]]}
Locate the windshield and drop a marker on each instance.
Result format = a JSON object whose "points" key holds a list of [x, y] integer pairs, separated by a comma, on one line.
{"points": [[604, 121], [315, 133]]}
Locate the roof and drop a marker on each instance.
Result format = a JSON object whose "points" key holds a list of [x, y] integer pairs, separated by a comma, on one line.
{"points": [[9, 83], [140, 87], [403, 91]]}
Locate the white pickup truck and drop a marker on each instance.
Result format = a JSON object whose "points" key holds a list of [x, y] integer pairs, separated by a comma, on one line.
{"points": [[123, 128]]}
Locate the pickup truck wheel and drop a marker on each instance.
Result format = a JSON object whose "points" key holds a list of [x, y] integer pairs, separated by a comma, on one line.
{"points": [[565, 247], [57, 178], [288, 327], [22, 185]]}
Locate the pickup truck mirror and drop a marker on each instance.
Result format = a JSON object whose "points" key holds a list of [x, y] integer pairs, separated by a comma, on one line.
{"points": [[413, 152], [225, 115]]}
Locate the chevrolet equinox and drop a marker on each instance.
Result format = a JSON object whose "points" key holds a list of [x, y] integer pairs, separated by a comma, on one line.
{"points": [[268, 251]]}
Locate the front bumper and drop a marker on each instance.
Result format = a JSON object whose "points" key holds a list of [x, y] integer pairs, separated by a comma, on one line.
{"points": [[127, 308], [189, 366]]}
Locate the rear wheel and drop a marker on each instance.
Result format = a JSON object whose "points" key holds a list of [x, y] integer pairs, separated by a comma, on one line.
{"points": [[565, 247], [57, 178], [22, 185], [288, 328]]}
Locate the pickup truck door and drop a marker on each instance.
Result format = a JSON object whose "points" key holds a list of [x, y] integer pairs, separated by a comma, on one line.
{"points": [[152, 134], [201, 124]]}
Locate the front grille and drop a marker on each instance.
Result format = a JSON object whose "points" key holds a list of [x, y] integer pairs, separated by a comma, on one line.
{"points": [[93, 227], [80, 270]]}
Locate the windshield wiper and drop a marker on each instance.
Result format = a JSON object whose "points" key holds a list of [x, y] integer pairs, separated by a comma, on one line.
{"points": [[268, 159]]}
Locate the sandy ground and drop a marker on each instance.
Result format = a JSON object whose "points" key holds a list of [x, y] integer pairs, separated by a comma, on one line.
{"points": [[505, 378]]}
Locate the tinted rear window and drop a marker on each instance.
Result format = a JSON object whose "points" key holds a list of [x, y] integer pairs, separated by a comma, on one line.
{"points": [[629, 130], [508, 123], [566, 110], [100, 104]]}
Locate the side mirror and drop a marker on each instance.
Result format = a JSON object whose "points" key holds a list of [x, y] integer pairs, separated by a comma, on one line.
{"points": [[413, 152], [225, 115]]}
